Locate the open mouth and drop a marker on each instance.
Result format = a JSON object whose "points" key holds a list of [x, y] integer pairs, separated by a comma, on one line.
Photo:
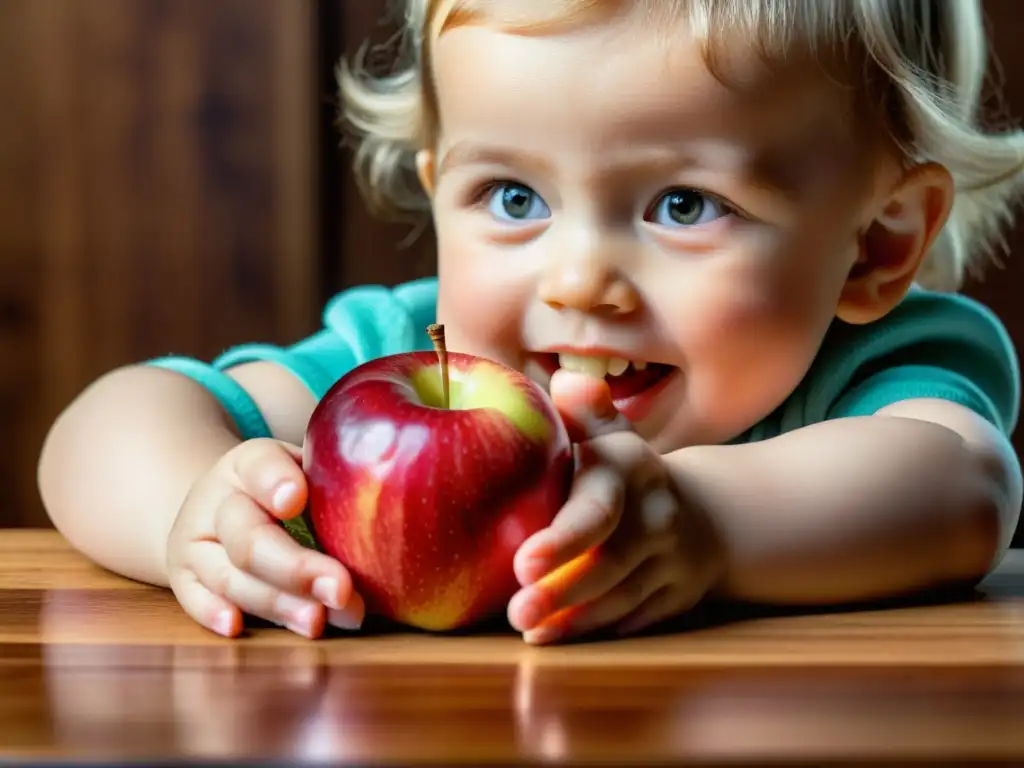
{"points": [[633, 383]]}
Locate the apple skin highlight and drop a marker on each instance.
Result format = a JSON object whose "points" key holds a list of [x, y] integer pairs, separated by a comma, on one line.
{"points": [[426, 505]]}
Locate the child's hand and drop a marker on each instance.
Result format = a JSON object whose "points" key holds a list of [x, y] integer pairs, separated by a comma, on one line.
{"points": [[227, 552], [625, 551]]}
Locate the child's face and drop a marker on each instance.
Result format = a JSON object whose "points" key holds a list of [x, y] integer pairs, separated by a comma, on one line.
{"points": [[599, 191]]}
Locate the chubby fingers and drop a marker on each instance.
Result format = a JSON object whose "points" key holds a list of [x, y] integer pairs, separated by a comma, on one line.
{"points": [[270, 472], [608, 581], [586, 407], [214, 591], [259, 547], [599, 572], [620, 603], [229, 553], [208, 609], [612, 468], [588, 518], [595, 505], [273, 487]]}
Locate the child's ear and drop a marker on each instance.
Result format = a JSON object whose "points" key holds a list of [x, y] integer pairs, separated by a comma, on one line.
{"points": [[425, 170], [896, 242]]}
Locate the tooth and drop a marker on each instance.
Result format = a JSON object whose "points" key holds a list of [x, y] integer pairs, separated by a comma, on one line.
{"points": [[592, 366], [617, 366], [639, 365]]}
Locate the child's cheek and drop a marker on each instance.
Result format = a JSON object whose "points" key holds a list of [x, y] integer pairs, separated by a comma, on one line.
{"points": [[727, 306], [482, 301], [748, 336]]}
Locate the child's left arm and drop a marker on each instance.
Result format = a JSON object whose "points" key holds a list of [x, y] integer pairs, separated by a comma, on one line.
{"points": [[923, 493]]}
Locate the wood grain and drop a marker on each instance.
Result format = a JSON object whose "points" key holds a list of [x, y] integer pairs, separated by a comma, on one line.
{"points": [[93, 666], [158, 175]]}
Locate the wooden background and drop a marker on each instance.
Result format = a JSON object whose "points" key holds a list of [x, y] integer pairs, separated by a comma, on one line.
{"points": [[170, 181]]}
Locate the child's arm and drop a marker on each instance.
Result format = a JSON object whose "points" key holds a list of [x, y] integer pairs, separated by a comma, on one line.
{"points": [[919, 493], [120, 459], [923, 493]]}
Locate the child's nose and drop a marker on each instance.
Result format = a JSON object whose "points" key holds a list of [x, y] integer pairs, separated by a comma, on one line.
{"points": [[588, 286]]}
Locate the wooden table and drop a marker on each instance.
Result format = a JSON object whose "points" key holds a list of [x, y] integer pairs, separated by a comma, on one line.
{"points": [[94, 666]]}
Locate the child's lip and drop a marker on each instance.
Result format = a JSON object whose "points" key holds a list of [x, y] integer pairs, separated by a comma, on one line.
{"points": [[637, 407]]}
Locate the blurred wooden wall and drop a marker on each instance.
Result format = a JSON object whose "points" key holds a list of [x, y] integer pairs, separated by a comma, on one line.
{"points": [[171, 181], [158, 170]]}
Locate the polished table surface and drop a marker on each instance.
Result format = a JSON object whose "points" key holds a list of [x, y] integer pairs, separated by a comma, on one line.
{"points": [[95, 667]]}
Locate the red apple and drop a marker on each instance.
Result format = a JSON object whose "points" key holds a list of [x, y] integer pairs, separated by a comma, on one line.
{"points": [[426, 472]]}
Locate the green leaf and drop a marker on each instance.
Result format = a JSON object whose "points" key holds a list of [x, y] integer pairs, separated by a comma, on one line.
{"points": [[300, 530]]}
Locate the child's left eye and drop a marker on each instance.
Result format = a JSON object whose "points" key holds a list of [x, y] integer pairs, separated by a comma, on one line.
{"points": [[686, 208], [516, 202]]}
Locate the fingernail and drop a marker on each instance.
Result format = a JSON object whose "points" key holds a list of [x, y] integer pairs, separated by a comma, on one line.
{"points": [[224, 623], [351, 616], [303, 623], [325, 589], [284, 496], [298, 613]]}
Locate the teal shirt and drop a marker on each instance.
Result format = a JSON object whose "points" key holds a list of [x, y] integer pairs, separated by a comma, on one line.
{"points": [[932, 345]]}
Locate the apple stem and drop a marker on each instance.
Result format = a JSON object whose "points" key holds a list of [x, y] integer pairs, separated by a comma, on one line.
{"points": [[436, 333]]}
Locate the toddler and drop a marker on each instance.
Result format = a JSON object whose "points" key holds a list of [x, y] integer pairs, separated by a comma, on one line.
{"points": [[725, 235]]}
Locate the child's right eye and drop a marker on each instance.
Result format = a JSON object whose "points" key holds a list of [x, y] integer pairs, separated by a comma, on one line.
{"points": [[510, 201]]}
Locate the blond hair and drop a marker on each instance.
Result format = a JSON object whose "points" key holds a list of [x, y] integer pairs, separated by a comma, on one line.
{"points": [[927, 57]]}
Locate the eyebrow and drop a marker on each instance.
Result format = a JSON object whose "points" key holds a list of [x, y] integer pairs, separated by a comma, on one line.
{"points": [[465, 153]]}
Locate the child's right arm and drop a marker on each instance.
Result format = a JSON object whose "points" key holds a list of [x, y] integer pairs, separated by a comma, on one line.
{"points": [[145, 473]]}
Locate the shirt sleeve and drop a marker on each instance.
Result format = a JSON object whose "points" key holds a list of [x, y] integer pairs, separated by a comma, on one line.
{"points": [[359, 325], [932, 346]]}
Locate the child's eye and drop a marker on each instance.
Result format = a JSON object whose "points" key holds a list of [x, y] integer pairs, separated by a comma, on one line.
{"points": [[516, 202], [687, 208]]}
